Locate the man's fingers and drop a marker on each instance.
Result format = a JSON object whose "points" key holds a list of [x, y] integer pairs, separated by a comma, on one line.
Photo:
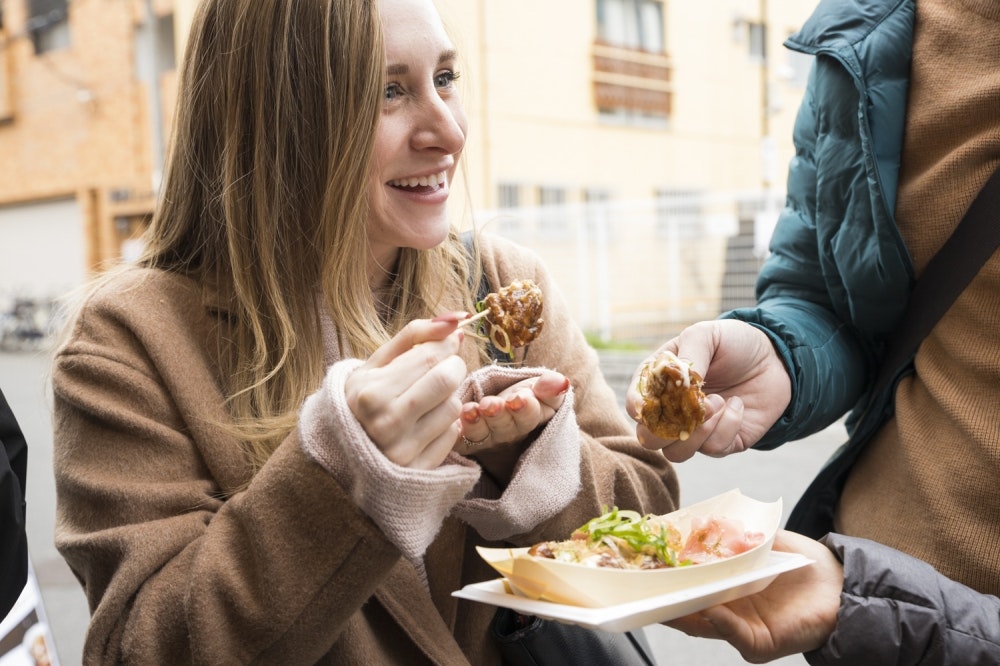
{"points": [[673, 450], [695, 624], [724, 437]]}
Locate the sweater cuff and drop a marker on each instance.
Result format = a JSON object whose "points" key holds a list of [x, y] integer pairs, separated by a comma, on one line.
{"points": [[412, 513], [546, 478]]}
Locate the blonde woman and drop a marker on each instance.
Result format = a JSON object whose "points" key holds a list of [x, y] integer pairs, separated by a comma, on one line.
{"points": [[275, 443]]}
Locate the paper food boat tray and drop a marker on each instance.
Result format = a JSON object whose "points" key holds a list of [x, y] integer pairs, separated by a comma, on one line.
{"points": [[651, 610], [576, 584]]}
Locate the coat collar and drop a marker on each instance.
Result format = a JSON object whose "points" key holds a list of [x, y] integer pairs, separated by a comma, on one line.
{"points": [[836, 24]]}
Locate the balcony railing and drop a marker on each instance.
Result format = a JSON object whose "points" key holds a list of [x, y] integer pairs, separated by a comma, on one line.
{"points": [[631, 80]]}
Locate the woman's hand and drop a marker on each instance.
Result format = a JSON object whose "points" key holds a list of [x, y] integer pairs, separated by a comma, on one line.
{"points": [[746, 384], [405, 397], [508, 417], [796, 613]]}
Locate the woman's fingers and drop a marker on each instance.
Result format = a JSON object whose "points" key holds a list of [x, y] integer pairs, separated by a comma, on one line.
{"points": [[415, 333], [426, 406], [550, 389], [404, 395], [496, 416], [372, 386], [514, 413], [431, 454]]}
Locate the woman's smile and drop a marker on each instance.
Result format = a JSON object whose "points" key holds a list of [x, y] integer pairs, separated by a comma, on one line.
{"points": [[421, 182]]}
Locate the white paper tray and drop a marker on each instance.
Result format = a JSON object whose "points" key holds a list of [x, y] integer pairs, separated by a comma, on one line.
{"points": [[653, 610]]}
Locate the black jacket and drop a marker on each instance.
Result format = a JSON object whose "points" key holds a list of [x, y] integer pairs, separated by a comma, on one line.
{"points": [[896, 609], [13, 539]]}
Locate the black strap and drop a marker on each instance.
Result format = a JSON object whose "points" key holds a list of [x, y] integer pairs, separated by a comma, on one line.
{"points": [[483, 288], [482, 291], [946, 276], [949, 272]]}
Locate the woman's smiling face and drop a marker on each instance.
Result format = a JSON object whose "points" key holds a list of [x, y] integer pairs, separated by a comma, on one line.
{"points": [[421, 133]]}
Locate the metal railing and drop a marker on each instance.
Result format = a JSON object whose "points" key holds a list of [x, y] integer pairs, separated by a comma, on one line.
{"points": [[640, 270]]}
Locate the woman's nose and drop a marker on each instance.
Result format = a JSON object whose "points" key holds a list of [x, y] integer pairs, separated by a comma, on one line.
{"points": [[442, 126]]}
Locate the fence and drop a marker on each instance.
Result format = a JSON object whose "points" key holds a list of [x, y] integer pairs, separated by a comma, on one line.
{"points": [[631, 271], [638, 271]]}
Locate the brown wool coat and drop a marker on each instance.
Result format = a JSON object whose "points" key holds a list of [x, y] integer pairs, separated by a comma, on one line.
{"points": [[180, 566]]}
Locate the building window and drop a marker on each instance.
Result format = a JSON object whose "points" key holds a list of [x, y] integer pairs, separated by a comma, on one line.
{"points": [[757, 41], [508, 195], [166, 56], [596, 218], [508, 221], [48, 24], [551, 196], [631, 24], [552, 213], [632, 72]]}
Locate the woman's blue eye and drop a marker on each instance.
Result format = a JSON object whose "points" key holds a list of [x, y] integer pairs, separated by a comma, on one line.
{"points": [[445, 79], [392, 91]]}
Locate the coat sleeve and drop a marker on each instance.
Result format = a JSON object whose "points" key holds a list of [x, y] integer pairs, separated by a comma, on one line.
{"points": [[800, 301], [184, 555], [896, 609], [13, 539]]}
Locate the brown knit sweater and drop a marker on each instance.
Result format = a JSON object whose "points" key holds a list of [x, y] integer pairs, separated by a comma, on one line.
{"points": [[929, 484]]}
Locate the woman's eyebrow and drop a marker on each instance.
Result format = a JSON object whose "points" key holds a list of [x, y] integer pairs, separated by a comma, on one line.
{"points": [[401, 69]]}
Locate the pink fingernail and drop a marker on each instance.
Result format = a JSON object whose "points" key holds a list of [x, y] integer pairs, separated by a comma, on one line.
{"points": [[515, 403], [470, 415]]}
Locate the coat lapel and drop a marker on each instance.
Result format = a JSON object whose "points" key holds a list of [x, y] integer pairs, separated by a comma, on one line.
{"points": [[406, 599]]}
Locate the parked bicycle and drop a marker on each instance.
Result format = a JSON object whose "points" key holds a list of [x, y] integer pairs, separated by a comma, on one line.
{"points": [[27, 324]]}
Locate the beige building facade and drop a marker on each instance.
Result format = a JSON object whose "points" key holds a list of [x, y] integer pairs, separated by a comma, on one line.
{"points": [[610, 135], [640, 146], [630, 97], [86, 92]]}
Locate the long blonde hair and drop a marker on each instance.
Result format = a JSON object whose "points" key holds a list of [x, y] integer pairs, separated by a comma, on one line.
{"points": [[264, 198]]}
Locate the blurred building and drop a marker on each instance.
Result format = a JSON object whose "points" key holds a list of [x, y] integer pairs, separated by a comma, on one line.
{"points": [[86, 92], [638, 145]]}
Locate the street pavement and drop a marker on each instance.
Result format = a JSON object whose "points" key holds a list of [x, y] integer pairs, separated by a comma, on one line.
{"points": [[766, 476]]}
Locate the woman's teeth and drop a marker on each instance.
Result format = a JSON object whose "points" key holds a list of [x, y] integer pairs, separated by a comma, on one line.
{"points": [[425, 181]]}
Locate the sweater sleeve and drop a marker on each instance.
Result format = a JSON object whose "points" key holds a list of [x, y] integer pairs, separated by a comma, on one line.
{"points": [[545, 481], [798, 291], [412, 514], [546, 478], [896, 609]]}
